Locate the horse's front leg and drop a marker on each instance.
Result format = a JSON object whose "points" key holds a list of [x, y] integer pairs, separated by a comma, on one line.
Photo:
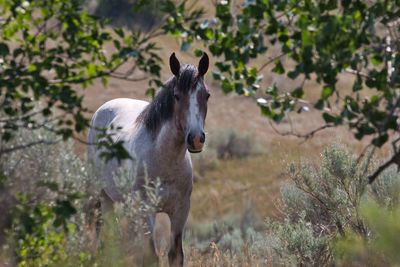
{"points": [[162, 237], [175, 255]]}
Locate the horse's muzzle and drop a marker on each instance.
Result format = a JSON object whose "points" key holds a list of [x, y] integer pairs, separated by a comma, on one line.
{"points": [[195, 142]]}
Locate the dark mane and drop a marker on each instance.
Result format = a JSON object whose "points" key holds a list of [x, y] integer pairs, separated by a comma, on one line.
{"points": [[161, 108]]}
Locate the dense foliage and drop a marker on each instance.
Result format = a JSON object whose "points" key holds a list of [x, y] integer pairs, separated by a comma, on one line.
{"points": [[49, 49]]}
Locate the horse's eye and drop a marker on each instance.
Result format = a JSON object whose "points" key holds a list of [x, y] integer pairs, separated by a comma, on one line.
{"points": [[176, 97]]}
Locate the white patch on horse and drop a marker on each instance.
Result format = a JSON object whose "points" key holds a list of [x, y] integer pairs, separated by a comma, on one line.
{"points": [[194, 111]]}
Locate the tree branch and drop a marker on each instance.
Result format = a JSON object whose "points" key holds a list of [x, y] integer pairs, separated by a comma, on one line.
{"points": [[24, 146], [395, 159], [304, 136], [271, 60]]}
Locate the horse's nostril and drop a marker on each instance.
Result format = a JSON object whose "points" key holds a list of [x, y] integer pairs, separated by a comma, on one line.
{"points": [[202, 137], [190, 139]]}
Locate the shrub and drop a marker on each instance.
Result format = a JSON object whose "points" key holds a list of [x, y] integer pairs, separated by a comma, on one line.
{"points": [[52, 190], [323, 204], [232, 144]]}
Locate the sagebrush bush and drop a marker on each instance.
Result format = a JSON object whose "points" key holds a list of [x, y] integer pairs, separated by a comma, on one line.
{"points": [[52, 191], [322, 204], [232, 144]]}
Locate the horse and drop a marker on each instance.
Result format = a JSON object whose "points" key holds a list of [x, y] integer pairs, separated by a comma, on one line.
{"points": [[159, 136]]}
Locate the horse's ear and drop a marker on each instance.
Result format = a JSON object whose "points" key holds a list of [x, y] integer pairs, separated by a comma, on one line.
{"points": [[174, 65], [203, 64]]}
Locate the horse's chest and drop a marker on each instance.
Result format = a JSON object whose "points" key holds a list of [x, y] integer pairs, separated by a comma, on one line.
{"points": [[175, 195], [176, 188], [175, 183]]}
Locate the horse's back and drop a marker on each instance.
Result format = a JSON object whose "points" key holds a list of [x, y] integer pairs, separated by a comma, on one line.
{"points": [[121, 110], [119, 114]]}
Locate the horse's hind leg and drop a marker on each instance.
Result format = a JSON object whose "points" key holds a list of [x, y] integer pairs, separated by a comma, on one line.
{"points": [[93, 223], [162, 237], [96, 209]]}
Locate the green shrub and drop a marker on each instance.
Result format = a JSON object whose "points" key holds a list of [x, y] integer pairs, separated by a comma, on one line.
{"points": [[323, 205], [52, 192]]}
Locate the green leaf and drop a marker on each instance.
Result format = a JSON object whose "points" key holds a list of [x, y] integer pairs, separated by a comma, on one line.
{"points": [[327, 91], [209, 34], [331, 119], [91, 69], [293, 74], [104, 81], [4, 51], [150, 92], [319, 105], [217, 76], [380, 140], [198, 52], [376, 59], [227, 87], [119, 32], [297, 93], [278, 67], [306, 38]]}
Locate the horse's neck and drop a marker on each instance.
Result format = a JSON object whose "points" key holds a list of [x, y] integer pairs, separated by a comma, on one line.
{"points": [[170, 142]]}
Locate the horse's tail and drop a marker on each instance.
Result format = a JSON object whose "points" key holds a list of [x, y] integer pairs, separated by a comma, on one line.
{"points": [[103, 171], [100, 122]]}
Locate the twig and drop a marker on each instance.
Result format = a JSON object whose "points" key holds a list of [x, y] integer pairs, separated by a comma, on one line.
{"points": [[395, 159], [305, 136], [271, 60], [26, 116], [364, 151], [14, 148], [351, 71]]}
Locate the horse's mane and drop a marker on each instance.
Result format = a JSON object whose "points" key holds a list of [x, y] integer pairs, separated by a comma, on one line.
{"points": [[161, 109]]}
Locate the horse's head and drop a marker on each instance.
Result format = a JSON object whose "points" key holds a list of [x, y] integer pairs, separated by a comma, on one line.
{"points": [[190, 96]]}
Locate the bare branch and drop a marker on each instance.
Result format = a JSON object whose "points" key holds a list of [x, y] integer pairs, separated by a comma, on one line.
{"points": [[22, 117], [351, 71], [395, 159], [364, 151], [304, 136], [271, 60], [24, 146]]}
